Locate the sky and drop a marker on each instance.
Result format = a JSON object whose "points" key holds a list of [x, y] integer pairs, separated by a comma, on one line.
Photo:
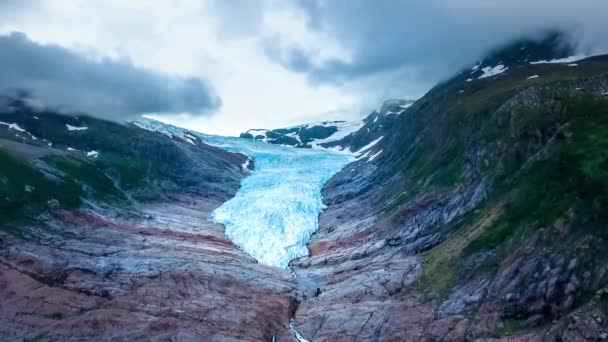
{"points": [[224, 66]]}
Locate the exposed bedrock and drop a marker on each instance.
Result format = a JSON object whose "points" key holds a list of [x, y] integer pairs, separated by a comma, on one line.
{"points": [[165, 275]]}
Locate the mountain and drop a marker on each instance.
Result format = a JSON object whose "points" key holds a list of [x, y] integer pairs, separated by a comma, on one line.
{"points": [[304, 136], [104, 235], [483, 217], [476, 213], [335, 135]]}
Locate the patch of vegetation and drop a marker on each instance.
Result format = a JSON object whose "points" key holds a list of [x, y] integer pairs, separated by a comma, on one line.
{"points": [[441, 263], [439, 269], [448, 175], [511, 326], [130, 172], [430, 165], [83, 171], [25, 191], [133, 155], [573, 175]]}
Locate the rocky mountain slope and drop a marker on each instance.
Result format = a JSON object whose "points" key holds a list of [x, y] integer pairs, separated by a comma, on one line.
{"points": [[483, 217], [104, 236]]}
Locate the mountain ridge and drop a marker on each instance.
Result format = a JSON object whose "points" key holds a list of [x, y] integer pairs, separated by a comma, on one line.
{"points": [[342, 136]]}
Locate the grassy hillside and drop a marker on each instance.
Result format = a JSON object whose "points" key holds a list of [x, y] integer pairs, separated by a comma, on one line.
{"points": [[539, 147], [48, 164]]}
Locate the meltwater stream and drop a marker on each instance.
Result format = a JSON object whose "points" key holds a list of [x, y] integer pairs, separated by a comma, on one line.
{"points": [[276, 210]]}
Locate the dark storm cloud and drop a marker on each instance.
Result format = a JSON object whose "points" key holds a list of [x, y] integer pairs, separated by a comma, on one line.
{"points": [[111, 89], [432, 38]]}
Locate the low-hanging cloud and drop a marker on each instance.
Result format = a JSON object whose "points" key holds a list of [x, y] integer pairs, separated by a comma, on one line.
{"points": [[433, 38], [112, 89]]}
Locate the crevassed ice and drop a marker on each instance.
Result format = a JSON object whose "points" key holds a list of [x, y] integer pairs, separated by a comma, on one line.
{"points": [[276, 210]]}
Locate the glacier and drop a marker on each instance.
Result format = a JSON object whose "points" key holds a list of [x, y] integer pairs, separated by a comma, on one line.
{"points": [[276, 210]]}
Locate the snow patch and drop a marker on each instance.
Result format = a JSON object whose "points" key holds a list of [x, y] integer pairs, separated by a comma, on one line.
{"points": [[493, 71], [168, 130], [365, 155], [93, 154], [532, 77], [344, 129], [374, 156], [153, 126], [190, 138], [12, 126], [19, 129], [294, 135], [369, 146], [245, 165], [560, 60], [74, 128]]}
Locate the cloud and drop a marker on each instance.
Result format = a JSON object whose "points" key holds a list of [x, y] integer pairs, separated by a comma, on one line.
{"points": [[237, 18], [108, 88], [10, 9], [431, 38], [278, 62]]}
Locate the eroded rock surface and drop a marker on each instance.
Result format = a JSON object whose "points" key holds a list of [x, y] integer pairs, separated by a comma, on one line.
{"points": [[163, 273]]}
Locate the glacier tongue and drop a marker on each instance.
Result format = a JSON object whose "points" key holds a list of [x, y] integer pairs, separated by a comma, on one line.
{"points": [[276, 210]]}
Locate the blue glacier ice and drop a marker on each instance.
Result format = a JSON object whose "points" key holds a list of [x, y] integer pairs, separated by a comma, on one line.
{"points": [[276, 210]]}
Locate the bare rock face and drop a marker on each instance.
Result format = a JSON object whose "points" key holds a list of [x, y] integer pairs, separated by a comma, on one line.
{"points": [[162, 275]]}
